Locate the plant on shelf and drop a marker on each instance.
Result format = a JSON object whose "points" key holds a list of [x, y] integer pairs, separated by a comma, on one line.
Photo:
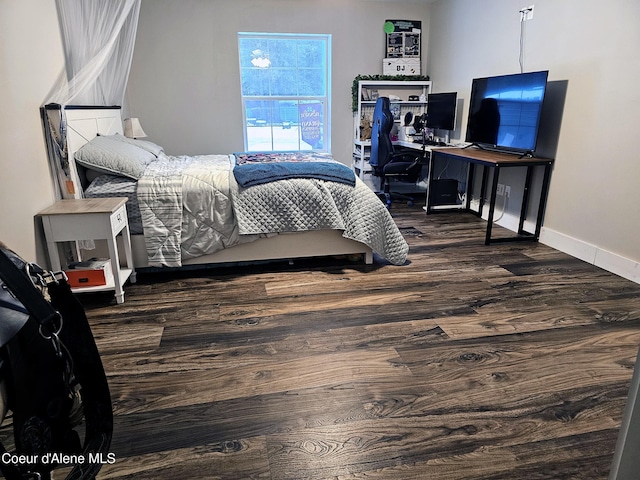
{"points": [[354, 86]]}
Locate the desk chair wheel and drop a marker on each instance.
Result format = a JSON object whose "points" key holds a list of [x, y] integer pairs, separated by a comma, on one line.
{"points": [[385, 198]]}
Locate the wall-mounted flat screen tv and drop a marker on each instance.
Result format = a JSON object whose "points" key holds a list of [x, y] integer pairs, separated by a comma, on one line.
{"points": [[441, 111], [504, 111]]}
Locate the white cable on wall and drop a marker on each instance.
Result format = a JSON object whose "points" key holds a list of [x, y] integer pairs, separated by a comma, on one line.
{"points": [[523, 28]]}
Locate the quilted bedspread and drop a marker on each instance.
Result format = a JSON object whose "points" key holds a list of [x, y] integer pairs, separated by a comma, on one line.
{"points": [[192, 206], [309, 204]]}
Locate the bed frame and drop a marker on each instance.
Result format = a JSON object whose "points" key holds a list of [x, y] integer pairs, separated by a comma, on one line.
{"points": [[84, 123]]}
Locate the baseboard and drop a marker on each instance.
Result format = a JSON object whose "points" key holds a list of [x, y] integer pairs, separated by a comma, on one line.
{"points": [[611, 262]]}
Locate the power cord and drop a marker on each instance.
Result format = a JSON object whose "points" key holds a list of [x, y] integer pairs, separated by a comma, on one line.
{"points": [[523, 20], [505, 203]]}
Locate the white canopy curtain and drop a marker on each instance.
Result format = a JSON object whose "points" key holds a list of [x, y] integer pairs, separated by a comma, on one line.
{"points": [[98, 37]]}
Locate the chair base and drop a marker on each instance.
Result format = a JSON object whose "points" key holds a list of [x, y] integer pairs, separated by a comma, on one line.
{"points": [[387, 198]]}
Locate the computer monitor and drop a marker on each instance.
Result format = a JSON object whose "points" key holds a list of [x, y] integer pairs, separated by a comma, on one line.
{"points": [[441, 111], [504, 111]]}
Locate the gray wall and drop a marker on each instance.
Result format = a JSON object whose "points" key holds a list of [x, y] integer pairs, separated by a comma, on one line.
{"points": [[185, 85]]}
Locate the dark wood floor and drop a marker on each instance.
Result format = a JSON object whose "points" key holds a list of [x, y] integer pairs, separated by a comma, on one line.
{"points": [[470, 362]]}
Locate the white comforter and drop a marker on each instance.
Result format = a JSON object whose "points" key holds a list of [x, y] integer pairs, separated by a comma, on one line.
{"points": [[192, 206]]}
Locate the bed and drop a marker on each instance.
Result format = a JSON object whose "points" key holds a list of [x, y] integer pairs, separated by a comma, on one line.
{"points": [[191, 210]]}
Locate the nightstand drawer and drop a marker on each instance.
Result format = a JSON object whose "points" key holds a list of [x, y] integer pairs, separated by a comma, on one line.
{"points": [[119, 219]]}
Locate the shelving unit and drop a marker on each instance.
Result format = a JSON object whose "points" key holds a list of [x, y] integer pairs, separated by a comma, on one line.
{"points": [[383, 88]]}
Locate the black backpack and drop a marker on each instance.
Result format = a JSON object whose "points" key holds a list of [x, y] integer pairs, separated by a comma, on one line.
{"points": [[56, 387]]}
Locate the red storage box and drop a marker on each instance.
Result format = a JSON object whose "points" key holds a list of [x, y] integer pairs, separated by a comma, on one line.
{"points": [[91, 273]]}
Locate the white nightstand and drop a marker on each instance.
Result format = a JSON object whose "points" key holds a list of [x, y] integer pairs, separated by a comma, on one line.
{"points": [[91, 219]]}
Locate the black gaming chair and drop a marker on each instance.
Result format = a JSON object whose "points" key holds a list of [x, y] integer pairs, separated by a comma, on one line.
{"points": [[404, 166]]}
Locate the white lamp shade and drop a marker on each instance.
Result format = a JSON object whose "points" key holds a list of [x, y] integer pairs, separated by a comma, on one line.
{"points": [[133, 129]]}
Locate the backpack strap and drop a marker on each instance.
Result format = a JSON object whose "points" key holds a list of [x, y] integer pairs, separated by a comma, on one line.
{"points": [[20, 284]]}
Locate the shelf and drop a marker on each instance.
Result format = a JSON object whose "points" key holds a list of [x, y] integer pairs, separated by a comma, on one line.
{"points": [[125, 273], [394, 83], [403, 102], [401, 89]]}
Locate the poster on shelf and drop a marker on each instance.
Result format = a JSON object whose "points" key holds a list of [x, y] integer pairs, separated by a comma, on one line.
{"points": [[402, 38]]}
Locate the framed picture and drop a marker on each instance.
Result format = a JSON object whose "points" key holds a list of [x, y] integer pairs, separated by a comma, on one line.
{"points": [[395, 111], [402, 38]]}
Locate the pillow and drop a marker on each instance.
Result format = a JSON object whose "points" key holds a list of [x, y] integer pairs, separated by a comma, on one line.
{"points": [[144, 144], [107, 155]]}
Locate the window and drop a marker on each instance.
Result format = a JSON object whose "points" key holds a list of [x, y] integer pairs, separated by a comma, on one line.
{"points": [[285, 91]]}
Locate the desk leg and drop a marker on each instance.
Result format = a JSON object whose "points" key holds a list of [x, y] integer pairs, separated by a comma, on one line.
{"points": [[543, 198], [470, 179], [430, 182], [525, 201], [483, 190], [492, 204]]}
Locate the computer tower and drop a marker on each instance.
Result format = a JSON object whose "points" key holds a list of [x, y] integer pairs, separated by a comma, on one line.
{"points": [[444, 191]]}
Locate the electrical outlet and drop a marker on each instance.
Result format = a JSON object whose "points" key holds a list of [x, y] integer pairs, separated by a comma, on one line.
{"points": [[500, 189], [526, 13], [507, 191]]}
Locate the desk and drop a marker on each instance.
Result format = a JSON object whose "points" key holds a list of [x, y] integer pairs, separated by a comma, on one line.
{"points": [[411, 144], [497, 161], [423, 147]]}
